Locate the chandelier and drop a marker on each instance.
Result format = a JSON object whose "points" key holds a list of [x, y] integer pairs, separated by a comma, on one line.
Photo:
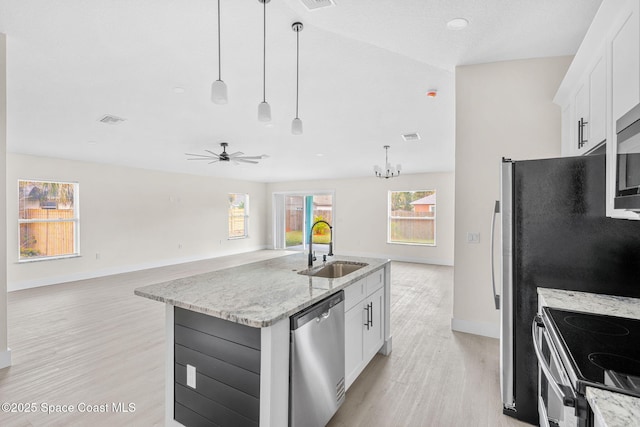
{"points": [[389, 171]]}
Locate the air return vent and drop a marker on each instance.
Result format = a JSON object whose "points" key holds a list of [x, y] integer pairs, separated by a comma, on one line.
{"points": [[317, 4], [411, 136], [111, 120]]}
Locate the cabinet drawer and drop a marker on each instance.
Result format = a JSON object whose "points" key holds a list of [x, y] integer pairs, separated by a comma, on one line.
{"points": [[354, 293], [375, 281]]}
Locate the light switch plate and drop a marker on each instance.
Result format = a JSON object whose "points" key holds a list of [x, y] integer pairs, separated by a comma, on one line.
{"points": [[191, 376], [473, 237]]}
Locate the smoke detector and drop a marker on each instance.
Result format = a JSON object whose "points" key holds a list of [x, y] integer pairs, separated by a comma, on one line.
{"points": [[411, 136], [317, 4], [110, 119]]}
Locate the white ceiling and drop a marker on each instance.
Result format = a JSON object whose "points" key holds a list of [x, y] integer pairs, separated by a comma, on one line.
{"points": [[364, 69]]}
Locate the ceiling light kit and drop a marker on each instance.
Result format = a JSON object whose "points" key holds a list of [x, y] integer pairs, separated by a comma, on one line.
{"points": [[219, 88], [296, 124], [390, 171], [264, 109], [236, 157], [457, 24]]}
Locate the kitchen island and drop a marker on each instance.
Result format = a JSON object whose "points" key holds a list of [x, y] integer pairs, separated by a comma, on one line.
{"points": [[228, 333]]}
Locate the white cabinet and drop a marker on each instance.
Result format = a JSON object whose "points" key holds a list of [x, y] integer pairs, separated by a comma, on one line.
{"points": [[364, 323], [584, 111], [602, 84], [625, 59], [596, 129]]}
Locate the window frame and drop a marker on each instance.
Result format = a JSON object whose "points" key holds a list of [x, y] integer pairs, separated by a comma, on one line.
{"points": [[230, 216], [75, 220], [433, 209]]}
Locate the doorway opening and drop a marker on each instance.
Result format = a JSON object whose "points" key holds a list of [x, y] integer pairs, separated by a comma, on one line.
{"points": [[298, 212]]}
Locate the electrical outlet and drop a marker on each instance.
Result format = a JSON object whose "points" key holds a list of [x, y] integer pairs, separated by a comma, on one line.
{"points": [[191, 376], [473, 237]]}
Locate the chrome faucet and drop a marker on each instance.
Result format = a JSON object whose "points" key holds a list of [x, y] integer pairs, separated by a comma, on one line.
{"points": [[312, 256]]}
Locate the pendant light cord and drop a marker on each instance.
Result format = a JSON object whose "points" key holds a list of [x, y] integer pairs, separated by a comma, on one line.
{"points": [[297, 69], [219, 60], [264, 52]]}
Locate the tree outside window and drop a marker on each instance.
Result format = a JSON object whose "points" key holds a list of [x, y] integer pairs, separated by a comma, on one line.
{"points": [[412, 217], [238, 215], [48, 219]]}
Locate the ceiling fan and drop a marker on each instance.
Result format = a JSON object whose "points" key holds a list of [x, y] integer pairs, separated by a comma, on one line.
{"points": [[236, 157]]}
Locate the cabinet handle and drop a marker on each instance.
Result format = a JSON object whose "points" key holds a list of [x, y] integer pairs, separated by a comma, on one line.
{"points": [[367, 323], [581, 125], [371, 314]]}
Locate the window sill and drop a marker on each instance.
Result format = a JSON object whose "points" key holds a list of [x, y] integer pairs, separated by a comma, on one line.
{"points": [[49, 258], [237, 238]]}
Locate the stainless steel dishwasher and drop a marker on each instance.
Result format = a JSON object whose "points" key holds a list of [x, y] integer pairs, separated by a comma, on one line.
{"points": [[316, 378]]}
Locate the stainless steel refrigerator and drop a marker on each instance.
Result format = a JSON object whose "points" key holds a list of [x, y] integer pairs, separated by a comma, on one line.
{"points": [[554, 234]]}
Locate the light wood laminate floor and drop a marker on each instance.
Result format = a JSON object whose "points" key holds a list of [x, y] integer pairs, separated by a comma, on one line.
{"points": [[94, 345]]}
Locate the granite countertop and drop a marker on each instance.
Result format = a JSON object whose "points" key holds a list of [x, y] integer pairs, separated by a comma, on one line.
{"points": [[256, 294], [590, 303], [611, 409]]}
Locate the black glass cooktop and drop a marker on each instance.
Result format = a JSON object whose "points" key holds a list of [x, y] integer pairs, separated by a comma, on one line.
{"points": [[604, 351]]}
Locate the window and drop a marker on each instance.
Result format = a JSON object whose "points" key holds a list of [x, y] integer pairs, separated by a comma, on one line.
{"points": [[48, 219], [412, 217], [238, 216]]}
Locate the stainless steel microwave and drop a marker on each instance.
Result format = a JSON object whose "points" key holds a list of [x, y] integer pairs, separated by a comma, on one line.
{"points": [[628, 161]]}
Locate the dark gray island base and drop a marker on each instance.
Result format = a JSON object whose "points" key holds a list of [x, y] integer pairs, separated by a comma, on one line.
{"points": [[228, 336]]}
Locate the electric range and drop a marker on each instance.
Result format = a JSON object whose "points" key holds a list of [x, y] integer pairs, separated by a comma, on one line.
{"points": [[597, 350]]}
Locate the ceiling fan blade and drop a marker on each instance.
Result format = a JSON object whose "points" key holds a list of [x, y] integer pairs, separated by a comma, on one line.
{"points": [[197, 155], [244, 160], [250, 157], [212, 153], [237, 153], [203, 158], [214, 161]]}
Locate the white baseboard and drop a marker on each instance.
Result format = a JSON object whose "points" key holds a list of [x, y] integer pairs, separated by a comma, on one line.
{"points": [[28, 284], [485, 329], [5, 358]]}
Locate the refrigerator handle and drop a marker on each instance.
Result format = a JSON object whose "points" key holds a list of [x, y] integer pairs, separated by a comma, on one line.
{"points": [[496, 297]]}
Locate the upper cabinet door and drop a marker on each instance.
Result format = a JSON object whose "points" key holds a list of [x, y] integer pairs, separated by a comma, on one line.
{"points": [[598, 102], [625, 62]]}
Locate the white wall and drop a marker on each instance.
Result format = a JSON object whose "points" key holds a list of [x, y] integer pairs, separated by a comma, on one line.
{"points": [[5, 354], [360, 212], [503, 109], [133, 218]]}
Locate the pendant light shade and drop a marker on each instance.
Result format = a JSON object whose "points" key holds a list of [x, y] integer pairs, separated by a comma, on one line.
{"points": [[296, 124], [264, 109], [219, 92], [219, 88], [264, 112]]}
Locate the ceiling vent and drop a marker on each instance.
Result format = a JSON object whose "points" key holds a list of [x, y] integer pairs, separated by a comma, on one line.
{"points": [[411, 136], [317, 4], [110, 120]]}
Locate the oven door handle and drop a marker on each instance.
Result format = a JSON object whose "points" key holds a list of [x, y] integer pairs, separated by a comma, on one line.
{"points": [[564, 392]]}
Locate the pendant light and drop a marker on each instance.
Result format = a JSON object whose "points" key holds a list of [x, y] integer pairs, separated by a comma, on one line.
{"points": [[388, 171], [219, 88], [264, 109], [296, 124]]}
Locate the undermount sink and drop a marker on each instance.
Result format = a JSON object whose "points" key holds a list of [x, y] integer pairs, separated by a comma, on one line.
{"points": [[334, 269]]}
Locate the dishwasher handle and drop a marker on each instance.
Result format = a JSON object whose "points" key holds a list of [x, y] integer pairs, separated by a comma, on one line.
{"points": [[318, 311]]}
